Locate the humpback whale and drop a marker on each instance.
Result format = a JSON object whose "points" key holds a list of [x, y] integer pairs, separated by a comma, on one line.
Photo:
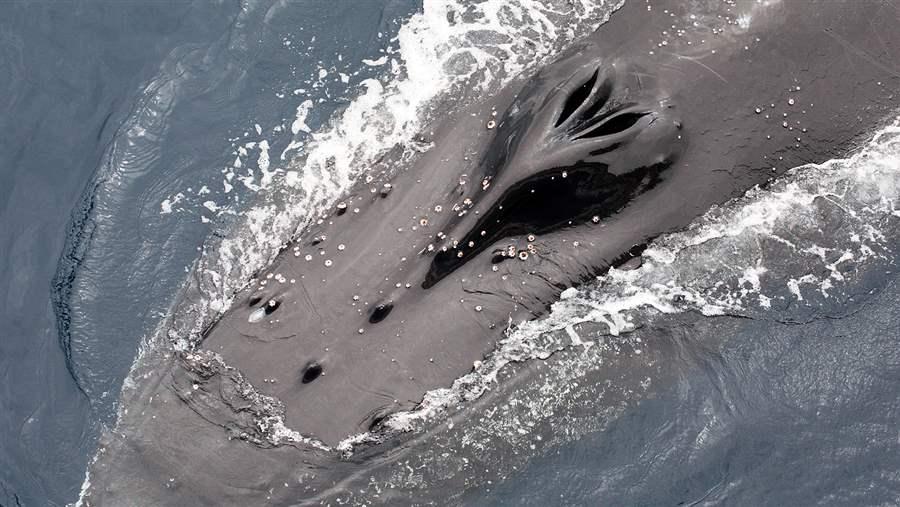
{"points": [[412, 277]]}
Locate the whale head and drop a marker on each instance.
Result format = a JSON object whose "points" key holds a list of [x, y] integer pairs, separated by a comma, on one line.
{"points": [[413, 277]]}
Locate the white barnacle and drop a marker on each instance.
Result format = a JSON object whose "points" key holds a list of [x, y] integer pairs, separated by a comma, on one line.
{"points": [[328, 263], [523, 255], [342, 246], [308, 257]]}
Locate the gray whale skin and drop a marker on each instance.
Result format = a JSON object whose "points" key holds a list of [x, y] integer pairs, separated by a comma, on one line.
{"points": [[629, 134]]}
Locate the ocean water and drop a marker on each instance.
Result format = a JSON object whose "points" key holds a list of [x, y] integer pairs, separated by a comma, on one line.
{"points": [[141, 136]]}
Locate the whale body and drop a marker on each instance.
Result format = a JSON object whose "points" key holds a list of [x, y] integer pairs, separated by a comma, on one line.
{"points": [[413, 276]]}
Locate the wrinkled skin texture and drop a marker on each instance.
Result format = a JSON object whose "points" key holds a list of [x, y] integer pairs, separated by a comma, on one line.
{"points": [[617, 141]]}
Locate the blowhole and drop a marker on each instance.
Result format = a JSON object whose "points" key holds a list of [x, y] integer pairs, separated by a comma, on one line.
{"points": [[311, 372], [380, 312]]}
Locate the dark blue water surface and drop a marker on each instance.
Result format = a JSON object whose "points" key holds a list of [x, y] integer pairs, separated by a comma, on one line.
{"points": [[108, 108]]}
